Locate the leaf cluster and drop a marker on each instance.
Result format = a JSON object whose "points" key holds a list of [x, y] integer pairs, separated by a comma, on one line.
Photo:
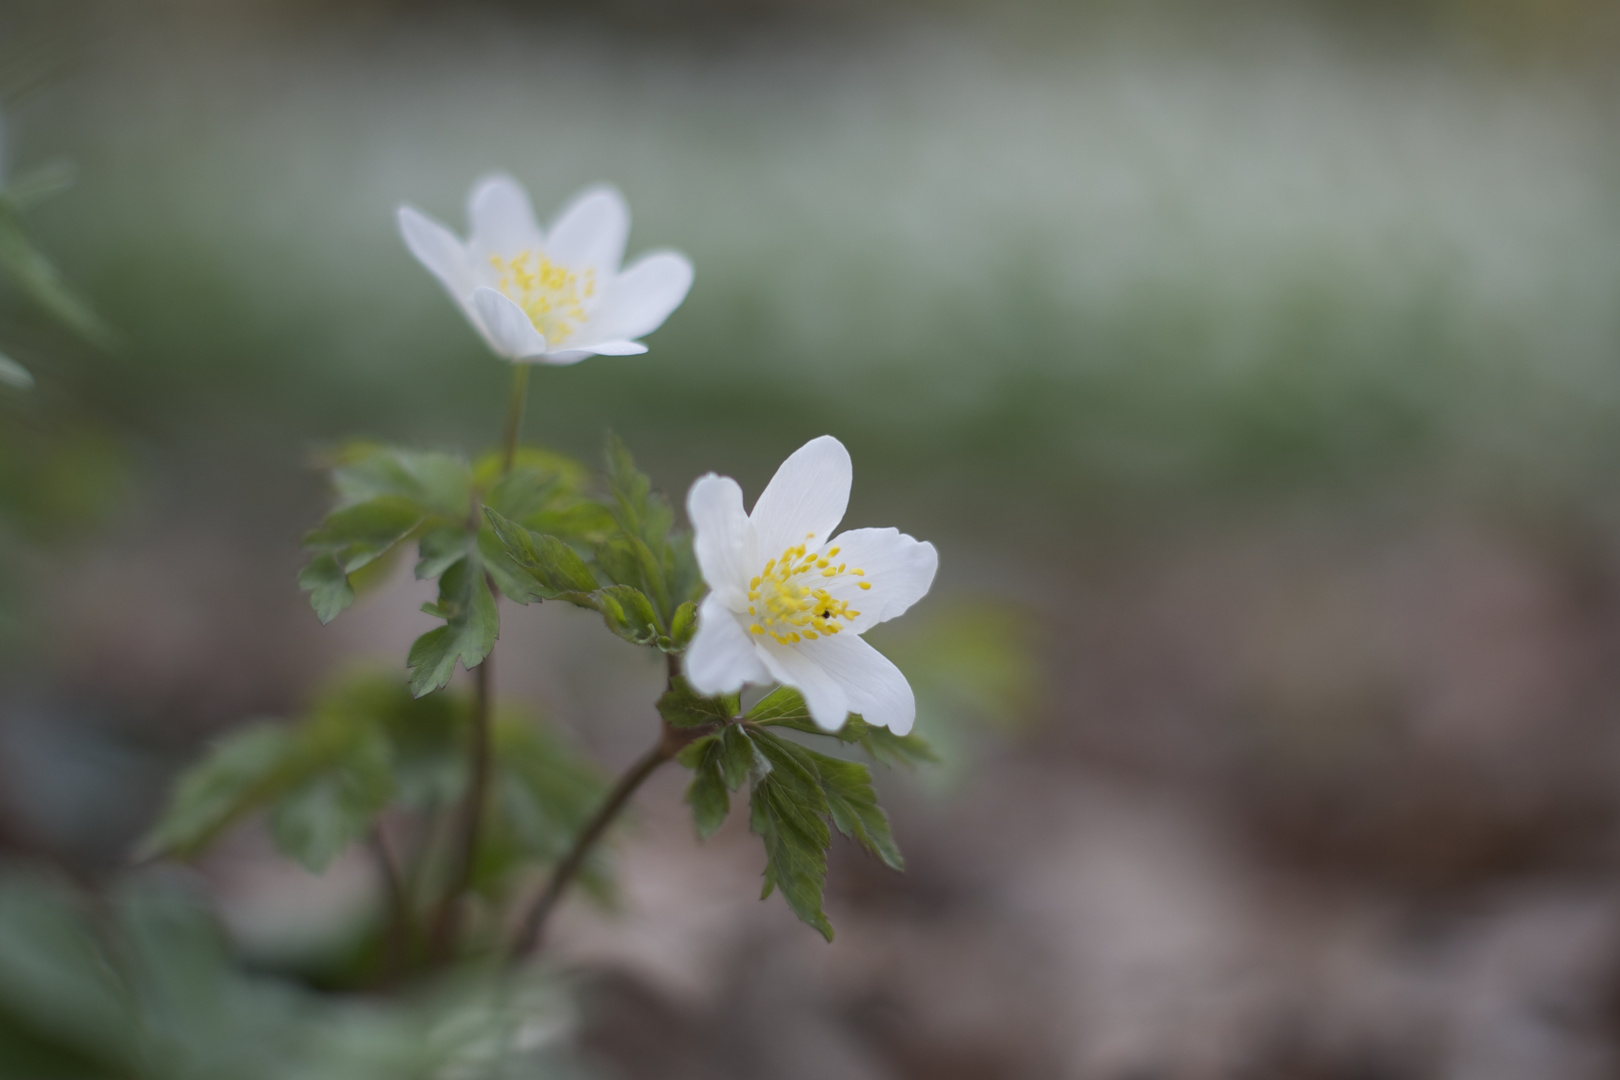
{"points": [[364, 746], [141, 987], [389, 497], [796, 795], [639, 574]]}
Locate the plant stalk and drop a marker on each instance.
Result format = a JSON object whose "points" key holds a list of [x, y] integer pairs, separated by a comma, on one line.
{"points": [[515, 404], [471, 819], [670, 744]]}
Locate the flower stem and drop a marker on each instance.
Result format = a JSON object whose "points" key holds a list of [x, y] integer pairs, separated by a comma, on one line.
{"points": [[670, 744], [471, 818], [514, 415]]}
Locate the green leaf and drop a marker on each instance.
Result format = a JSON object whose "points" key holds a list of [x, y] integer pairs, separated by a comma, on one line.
{"points": [[683, 707], [786, 810], [682, 627], [628, 613], [885, 746], [355, 535], [785, 707], [847, 786], [314, 822], [243, 770], [37, 277], [556, 569], [328, 587], [471, 626], [706, 795], [439, 550], [721, 763], [437, 484]]}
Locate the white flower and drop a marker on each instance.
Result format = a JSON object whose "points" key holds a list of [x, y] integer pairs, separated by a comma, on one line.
{"points": [[556, 296], [789, 600]]}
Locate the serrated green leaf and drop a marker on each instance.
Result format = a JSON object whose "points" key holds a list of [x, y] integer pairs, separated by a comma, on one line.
{"points": [[885, 746], [437, 484], [847, 786], [316, 820], [556, 569], [471, 626], [439, 550], [513, 582], [785, 707], [787, 809], [328, 587], [740, 758], [683, 707], [357, 534], [239, 774], [706, 794]]}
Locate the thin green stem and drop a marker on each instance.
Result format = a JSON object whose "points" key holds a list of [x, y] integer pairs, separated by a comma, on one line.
{"points": [[471, 817], [514, 415]]}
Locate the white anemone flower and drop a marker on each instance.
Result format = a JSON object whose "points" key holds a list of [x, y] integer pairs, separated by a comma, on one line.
{"points": [[789, 600], [551, 296]]}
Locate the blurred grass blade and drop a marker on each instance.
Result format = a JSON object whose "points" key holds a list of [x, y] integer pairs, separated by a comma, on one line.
{"points": [[14, 374]]}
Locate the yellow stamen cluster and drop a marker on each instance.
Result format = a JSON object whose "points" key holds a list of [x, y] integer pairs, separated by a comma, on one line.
{"points": [[552, 296], [790, 601]]}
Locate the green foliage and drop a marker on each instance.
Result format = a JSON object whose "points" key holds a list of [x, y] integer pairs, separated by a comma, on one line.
{"points": [[388, 496], [36, 276], [682, 707], [140, 987], [645, 552], [721, 763], [364, 745], [788, 810], [785, 707], [795, 791], [471, 624]]}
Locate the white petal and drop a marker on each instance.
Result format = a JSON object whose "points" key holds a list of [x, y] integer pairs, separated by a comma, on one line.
{"points": [[507, 326], [806, 499], [501, 218], [438, 249], [641, 298], [645, 295], [876, 688], [721, 658], [899, 569], [590, 233], [794, 665], [722, 538], [615, 348]]}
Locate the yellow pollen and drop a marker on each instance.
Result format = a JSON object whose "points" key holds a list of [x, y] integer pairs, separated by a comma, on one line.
{"points": [[787, 608], [552, 296]]}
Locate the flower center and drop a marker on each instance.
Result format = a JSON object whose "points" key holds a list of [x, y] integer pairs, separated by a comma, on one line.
{"points": [[789, 599], [552, 296]]}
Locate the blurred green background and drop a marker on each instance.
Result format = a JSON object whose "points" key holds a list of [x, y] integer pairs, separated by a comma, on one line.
{"points": [[1254, 366]]}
